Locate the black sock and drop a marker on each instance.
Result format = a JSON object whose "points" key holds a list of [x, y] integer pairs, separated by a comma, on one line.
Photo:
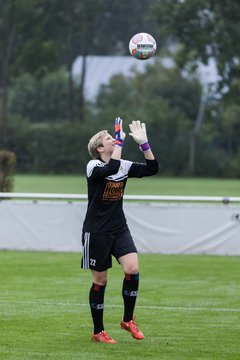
{"points": [[129, 294], [96, 301]]}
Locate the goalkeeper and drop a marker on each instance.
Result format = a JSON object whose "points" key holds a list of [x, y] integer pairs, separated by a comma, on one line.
{"points": [[105, 231]]}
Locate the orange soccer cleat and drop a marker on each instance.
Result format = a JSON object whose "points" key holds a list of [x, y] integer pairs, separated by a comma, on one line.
{"points": [[103, 337], [131, 327]]}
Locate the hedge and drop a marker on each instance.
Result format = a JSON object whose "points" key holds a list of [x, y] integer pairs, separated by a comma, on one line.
{"points": [[7, 170]]}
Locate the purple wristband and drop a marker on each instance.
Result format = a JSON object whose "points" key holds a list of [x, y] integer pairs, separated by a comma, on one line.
{"points": [[144, 147]]}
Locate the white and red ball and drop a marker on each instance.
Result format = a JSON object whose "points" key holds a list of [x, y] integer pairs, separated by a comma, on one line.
{"points": [[142, 46]]}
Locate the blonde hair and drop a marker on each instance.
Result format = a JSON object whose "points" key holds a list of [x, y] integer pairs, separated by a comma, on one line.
{"points": [[95, 142]]}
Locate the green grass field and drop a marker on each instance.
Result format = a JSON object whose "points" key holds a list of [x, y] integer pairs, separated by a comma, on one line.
{"points": [[188, 308], [148, 186]]}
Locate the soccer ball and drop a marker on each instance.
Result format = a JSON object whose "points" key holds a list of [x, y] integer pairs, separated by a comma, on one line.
{"points": [[142, 46]]}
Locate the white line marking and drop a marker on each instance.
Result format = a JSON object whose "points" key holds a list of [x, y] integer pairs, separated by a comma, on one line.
{"points": [[153, 307]]}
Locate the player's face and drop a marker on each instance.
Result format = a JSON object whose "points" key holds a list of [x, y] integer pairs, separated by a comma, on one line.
{"points": [[108, 143]]}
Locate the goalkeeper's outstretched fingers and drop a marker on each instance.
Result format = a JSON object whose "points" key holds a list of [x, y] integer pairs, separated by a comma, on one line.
{"points": [[138, 132]]}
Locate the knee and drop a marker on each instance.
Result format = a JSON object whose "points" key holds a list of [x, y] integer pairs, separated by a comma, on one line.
{"points": [[131, 269], [100, 279], [129, 263]]}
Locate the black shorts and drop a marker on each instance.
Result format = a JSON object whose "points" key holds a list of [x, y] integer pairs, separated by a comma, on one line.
{"points": [[99, 248]]}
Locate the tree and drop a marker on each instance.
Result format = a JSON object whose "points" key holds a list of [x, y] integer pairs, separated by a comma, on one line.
{"points": [[40, 100], [101, 27], [7, 37], [39, 36], [27, 43], [162, 98], [91, 15], [202, 30]]}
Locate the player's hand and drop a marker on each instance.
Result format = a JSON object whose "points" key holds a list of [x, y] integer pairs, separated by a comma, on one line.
{"points": [[119, 134], [138, 132]]}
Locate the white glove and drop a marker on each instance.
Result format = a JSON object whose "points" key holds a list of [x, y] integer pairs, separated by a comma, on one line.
{"points": [[138, 132]]}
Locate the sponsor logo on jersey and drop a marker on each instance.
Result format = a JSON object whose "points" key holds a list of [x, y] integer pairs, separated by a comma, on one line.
{"points": [[113, 190]]}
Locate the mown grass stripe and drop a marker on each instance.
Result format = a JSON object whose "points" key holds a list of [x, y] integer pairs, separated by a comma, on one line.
{"points": [[155, 307]]}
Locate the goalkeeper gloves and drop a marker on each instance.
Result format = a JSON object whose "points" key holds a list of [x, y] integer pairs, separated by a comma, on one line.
{"points": [[119, 134], [139, 134]]}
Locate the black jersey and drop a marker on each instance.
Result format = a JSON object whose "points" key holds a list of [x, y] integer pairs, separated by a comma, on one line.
{"points": [[106, 184]]}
